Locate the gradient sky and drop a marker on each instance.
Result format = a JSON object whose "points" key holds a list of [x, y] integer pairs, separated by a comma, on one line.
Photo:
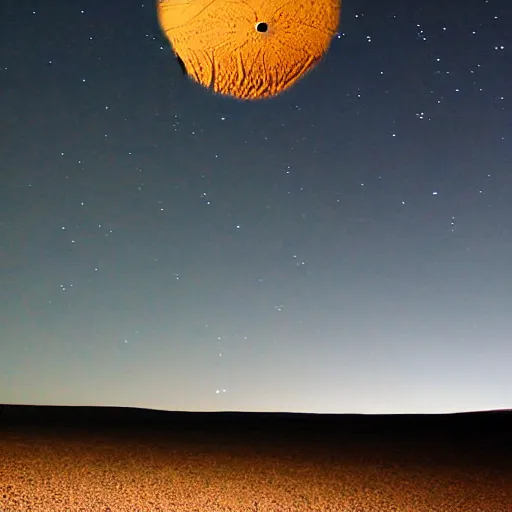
{"points": [[343, 248]]}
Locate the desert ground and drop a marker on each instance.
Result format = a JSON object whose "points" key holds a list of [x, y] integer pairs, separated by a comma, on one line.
{"points": [[254, 464]]}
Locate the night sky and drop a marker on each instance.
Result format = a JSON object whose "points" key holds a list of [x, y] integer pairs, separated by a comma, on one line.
{"points": [[345, 247]]}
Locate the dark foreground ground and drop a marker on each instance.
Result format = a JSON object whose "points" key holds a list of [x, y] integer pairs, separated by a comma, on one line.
{"points": [[86, 459]]}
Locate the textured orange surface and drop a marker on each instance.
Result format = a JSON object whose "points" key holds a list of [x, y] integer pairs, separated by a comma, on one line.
{"points": [[60, 470], [250, 49]]}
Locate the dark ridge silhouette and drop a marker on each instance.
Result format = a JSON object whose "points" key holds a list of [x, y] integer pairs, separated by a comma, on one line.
{"points": [[104, 415]]}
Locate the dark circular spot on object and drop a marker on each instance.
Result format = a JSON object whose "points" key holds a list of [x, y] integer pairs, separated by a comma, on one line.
{"points": [[261, 26]]}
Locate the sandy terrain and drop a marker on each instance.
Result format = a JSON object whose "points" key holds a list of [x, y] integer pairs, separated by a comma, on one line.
{"points": [[68, 469]]}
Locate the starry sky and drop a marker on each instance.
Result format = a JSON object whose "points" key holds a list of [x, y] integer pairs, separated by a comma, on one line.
{"points": [[342, 248]]}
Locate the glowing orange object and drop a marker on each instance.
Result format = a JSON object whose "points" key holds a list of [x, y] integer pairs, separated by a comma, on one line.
{"points": [[249, 49]]}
